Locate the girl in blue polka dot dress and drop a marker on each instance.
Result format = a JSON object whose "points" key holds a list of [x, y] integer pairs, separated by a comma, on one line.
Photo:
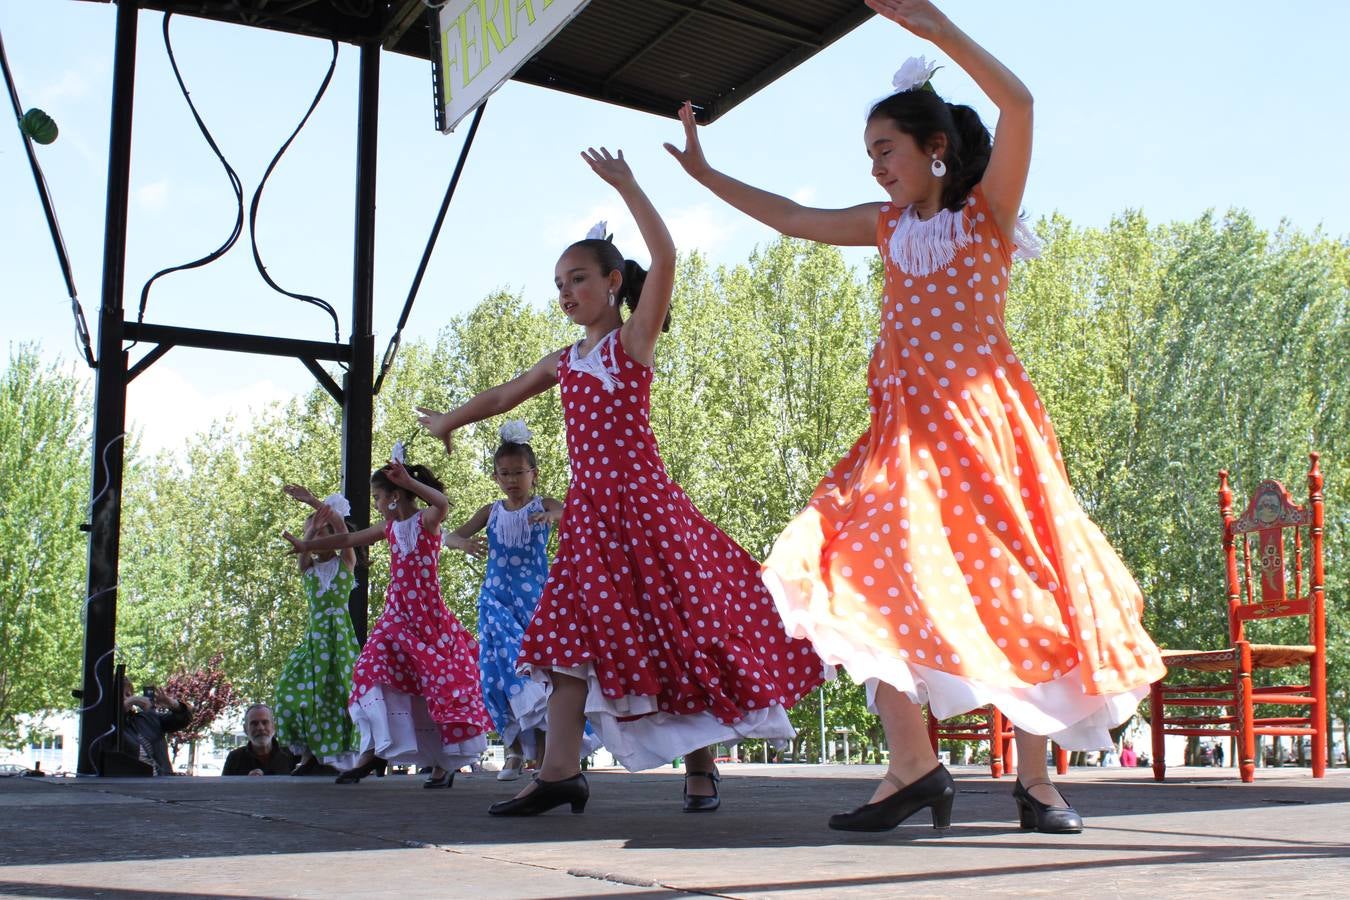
{"points": [[517, 566]]}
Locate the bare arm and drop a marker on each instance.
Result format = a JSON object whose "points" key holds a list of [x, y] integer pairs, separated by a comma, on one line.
{"points": [[437, 506], [1005, 179], [641, 329], [855, 226], [476, 522], [494, 401], [341, 541], [462, 538]]}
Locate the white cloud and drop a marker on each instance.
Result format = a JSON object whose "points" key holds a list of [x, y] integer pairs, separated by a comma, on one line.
{"points": [[167, 409], [702, 227], [152, 196], [804, 195]]}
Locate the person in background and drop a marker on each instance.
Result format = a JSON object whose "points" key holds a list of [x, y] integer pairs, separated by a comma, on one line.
{"points": [[262, 755]]}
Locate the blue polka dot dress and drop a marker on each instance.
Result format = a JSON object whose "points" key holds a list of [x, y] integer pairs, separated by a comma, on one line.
{"points": [[517, 567]]}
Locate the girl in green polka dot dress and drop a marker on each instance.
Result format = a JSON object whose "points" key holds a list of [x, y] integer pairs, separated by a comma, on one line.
{"points": [[311, 695]]}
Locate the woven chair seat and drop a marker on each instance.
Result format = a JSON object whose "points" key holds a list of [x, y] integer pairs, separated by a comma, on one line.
{"points": [[1264, 656]]}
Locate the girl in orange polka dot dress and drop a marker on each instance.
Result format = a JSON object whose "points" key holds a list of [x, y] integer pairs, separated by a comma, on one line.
{"points": [[654, 624], [944, 559]]}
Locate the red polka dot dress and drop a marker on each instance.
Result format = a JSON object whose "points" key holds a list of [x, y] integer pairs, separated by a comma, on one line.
{"points": [[416, 694], [662, 614], [946, 554]]}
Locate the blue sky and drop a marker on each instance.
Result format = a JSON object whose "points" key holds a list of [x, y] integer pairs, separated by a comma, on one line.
{"points": [[1171, 108]]}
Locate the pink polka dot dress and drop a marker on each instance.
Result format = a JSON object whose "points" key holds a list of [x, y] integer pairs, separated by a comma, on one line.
{"points": [[416, 694], [946, 554], [662, 614]]}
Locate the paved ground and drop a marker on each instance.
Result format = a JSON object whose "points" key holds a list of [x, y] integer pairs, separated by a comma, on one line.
{"points": [[1202, 833]]}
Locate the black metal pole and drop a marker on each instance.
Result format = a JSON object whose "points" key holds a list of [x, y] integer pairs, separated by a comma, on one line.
{"points": [[99, 706], [357, 406]]}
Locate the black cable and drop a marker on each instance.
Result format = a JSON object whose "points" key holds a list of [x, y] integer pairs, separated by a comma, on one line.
{"points": [[394, 342], [235, 183], [257, 196], [81, 327]]}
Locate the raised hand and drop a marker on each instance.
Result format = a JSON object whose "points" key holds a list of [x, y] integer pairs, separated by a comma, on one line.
{"points": [[297, 545], [438, 424], [612, 169], [919, 17], [691, 158], [398, 475], [547, 515], [297, 492]]}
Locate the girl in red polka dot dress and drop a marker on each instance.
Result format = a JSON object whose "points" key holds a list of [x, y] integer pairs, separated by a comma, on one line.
{"points": [[653, 624], [944, 559], [416, 694]]}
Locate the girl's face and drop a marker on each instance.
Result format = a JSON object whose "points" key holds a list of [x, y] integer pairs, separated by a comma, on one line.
{"points": [[900, 165], [515, 477], [583, 292], [386, 501]]}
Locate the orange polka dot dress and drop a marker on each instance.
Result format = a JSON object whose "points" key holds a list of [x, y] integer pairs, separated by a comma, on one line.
{"points": [[946, 554]]}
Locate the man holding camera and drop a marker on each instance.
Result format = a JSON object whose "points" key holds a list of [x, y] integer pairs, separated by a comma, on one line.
{"points": [[147, 718]]}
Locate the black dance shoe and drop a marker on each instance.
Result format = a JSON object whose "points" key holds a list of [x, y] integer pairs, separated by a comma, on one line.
{"points": [[446, 780], [1043, 818], [545, 796], [701, 804], [312, 766], [934, 790], [352, 776]]}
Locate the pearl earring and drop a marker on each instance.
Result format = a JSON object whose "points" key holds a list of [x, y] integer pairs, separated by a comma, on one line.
{"points": [[939, 167], [393, 506], [611, 298]]}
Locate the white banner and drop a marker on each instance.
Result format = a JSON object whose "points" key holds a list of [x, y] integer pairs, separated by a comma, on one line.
{"points": [[484, 42]]}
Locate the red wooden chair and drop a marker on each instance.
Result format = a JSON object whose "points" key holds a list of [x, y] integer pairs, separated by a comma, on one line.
{"points": [[1271, 528], [994, 728]]}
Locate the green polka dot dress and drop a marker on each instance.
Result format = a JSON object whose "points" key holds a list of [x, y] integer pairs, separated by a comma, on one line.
{"points": [[311, 697]]}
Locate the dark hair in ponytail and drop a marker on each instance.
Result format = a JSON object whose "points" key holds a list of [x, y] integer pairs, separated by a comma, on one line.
{"points": [[921, 114], [634, 276], [380, 478]]}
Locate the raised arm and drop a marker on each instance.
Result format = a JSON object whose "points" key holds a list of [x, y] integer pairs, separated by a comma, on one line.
{"points": [[1005, 179], [641, 329], [437, 506], [494, 401], [855, 226]]}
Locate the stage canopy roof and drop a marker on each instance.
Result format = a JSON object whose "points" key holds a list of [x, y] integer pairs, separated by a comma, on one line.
{"points": [[649, 55]]}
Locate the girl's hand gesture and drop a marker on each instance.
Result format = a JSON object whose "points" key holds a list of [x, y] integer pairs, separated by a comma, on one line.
{"points": [[547, 515], [297, 545], [297, 492], [398, 475], [473, 546], [438, 424], [919, 17], [612, 169], [691, 158]]}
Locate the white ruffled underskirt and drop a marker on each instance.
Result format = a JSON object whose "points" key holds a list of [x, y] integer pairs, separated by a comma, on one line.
{"points": [[656, 738], [529, 713], [398, 727], [1059, 709]]}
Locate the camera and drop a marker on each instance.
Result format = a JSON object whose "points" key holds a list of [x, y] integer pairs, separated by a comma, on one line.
{"points": [[149, 693]]}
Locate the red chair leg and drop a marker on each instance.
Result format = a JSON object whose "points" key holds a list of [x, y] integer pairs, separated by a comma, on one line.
{"points": [[1246, 734], [932, 730], [1156, 729], [996, 749], [1061, 760]]}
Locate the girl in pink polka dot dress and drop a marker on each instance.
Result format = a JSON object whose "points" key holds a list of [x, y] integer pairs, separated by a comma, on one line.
{"points": [[944, 559], [653, 623], [416, 694]]}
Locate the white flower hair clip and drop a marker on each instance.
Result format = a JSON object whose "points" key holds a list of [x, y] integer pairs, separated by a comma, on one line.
{"points": [[397, 453], [338, 504], [916, 72], [515, 431], [598, 231]]}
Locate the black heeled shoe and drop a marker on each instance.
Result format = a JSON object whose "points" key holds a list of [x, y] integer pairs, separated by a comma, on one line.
{"points": [[352, 776], [545, 796], [693, 803], [445, 781], [312, 766], [1045, 818], [934, 791]]}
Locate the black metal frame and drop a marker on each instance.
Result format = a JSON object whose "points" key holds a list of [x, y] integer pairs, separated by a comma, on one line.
{"points": [[99, 715]]}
